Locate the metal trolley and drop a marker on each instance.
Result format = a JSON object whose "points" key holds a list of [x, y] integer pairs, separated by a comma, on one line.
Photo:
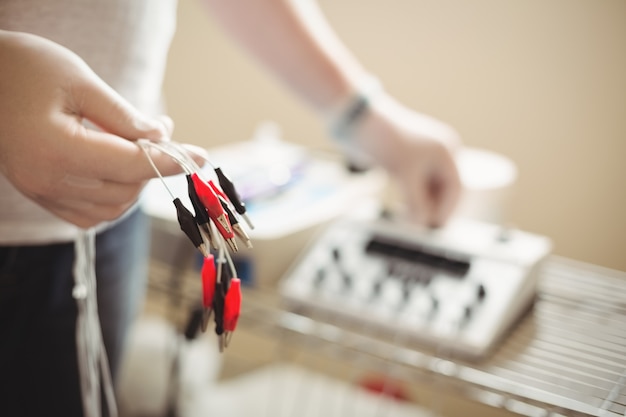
{"points": [[565, 357]]}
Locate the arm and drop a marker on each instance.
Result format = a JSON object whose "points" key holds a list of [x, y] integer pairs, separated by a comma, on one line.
{"points": [[82, 175], [295, 42]]}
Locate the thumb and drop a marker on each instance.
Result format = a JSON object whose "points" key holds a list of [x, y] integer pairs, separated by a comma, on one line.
{"points": [[419, 202], [107, 109]]}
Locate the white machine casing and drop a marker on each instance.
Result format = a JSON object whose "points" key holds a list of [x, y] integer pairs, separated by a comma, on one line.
{"points": [[456, 289]]}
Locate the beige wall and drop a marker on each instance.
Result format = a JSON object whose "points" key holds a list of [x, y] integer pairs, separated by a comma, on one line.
{"points": [[541, 81]]}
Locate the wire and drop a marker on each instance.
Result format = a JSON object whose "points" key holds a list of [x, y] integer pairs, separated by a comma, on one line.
{"points": [[93, 365], [231, 264], [177, 158], [199, 152], [228, 188], [210, 203], [141, 143], [184, 152]]}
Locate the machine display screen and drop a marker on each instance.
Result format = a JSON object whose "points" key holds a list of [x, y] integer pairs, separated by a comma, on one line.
{"points": [[454, 265]]}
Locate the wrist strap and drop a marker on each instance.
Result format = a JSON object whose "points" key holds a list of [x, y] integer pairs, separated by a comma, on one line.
{"points": [[348, 114]]}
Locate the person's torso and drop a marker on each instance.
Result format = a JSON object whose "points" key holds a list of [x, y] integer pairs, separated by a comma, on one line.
{"points": [[124, 41]]}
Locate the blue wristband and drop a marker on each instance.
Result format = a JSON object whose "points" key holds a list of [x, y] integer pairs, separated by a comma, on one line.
{"points": [[354, 110]]}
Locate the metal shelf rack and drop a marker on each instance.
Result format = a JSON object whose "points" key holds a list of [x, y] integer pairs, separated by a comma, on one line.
{"points": [[565, 357]]}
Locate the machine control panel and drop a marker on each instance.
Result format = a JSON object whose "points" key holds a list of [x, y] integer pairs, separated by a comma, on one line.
{"points": [[456, 289]]}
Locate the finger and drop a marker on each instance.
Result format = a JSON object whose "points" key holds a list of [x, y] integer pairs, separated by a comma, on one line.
{"points": [[103, 106], [85, 214], [197, 153], [168, 123], [445, 198], [108, 157], [96, 191], [419, 202], [73, 217]]}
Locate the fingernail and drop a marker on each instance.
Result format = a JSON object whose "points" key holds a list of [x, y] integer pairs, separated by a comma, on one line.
{"points": [[168, 123], [153, 129]]}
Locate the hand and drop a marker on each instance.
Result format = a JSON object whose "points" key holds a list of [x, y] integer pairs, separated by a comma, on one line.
{"points": [[80, 174], [419, 152]]}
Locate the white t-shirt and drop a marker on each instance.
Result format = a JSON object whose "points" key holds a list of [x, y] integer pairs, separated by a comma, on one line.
{"points": [[124, 41]]}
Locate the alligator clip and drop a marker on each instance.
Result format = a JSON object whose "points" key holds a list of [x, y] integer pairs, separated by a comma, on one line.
{"points": [[209, 276], [188, 224], [216, 212], [232, 308]]}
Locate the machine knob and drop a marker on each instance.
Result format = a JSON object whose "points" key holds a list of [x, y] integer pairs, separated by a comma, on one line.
{"points": [[434, 306], [336, 252], [347, 280], [467, 313], [319, 278], [377, 288], [481, 292]]}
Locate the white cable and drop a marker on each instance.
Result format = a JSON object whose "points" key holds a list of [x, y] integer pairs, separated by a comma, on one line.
{"points": [[184, 153], [176, 158], [93, 365], [201, 152]]}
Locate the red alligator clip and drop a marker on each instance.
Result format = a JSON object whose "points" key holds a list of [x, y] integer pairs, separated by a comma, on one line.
{"points": [[232, 305], [217, 190], [208, 281], [212, 203]]}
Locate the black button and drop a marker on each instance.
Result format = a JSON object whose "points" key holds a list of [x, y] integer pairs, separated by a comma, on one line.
{"points": [[481, 292], [319, 277]]}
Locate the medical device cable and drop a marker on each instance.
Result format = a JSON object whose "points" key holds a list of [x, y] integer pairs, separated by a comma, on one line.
{"points": [[142, 145], [225, 182], [177, 157], [93, 364], [93, 367]]}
